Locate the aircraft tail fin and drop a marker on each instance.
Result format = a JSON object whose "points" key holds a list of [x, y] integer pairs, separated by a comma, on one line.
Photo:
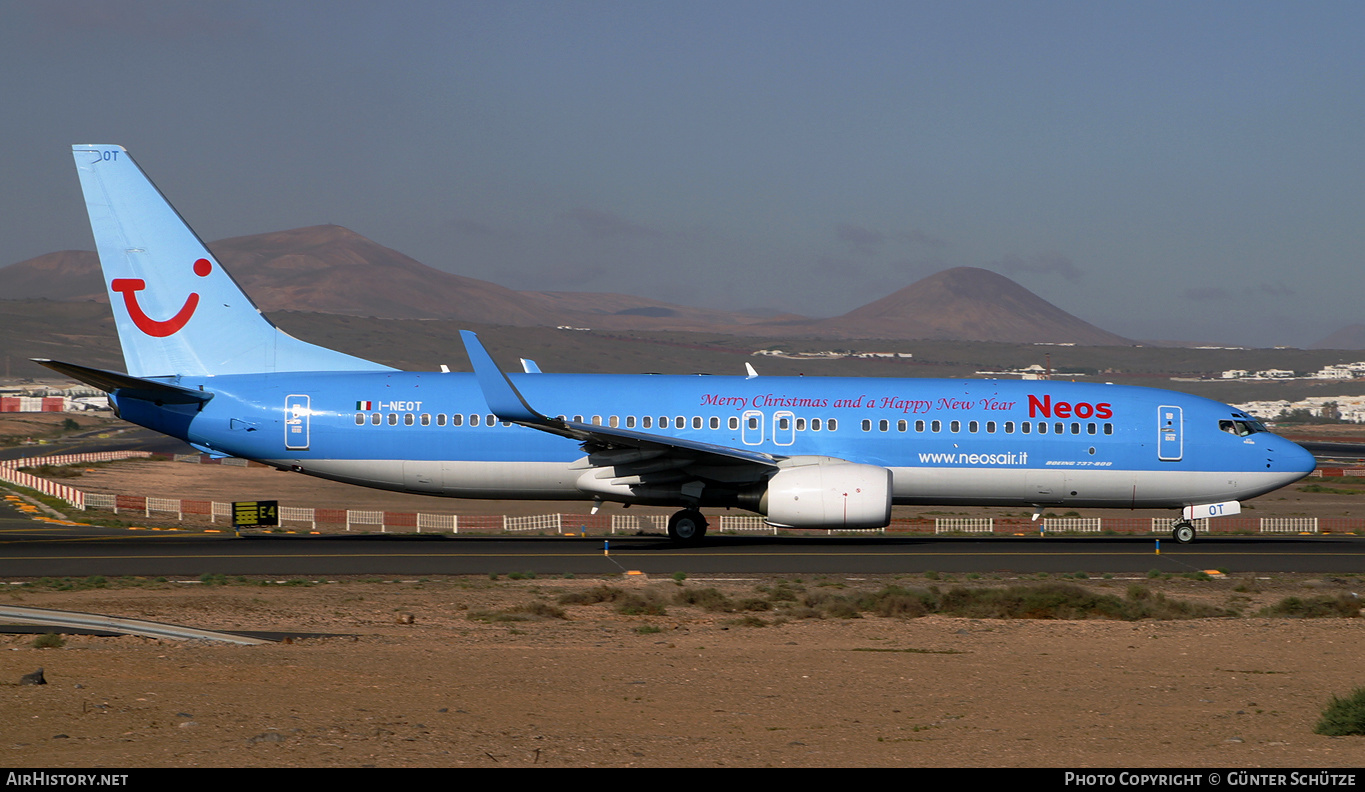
{"points": [[178, 312]]}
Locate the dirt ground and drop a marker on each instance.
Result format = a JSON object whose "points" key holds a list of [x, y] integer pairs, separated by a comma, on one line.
{"points": [[440, 672]]}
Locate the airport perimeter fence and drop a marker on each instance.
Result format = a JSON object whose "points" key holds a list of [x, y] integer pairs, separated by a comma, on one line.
{"points": [[369, 520]]}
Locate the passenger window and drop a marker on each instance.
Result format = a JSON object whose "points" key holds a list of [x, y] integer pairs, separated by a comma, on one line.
{"points": [[576, 419], [867, 425], [473, 420], [360, 419], [990, 427], [1057, 428], [800, 424], [1025, 427], [407, 419], [1108, 428], [647, 422], [784, 423], [833, 424], [753, 423], [426, 419], [901, 426], [955, 427], [883, 425], [715, 422], [613, 422], [919, 426], [491, 419], [597, 420], [630, 422], [680, 422], [973, 427], [1009, 427], [375, 419], [440, 419], [1075, 428], [456, 419], [733, 423], [815, 424], [1090, 428], [696, 422], [936, 426], [1042, 428]]}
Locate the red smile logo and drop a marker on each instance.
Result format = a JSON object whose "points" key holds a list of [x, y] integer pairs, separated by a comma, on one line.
{"points": [[159, 328]]}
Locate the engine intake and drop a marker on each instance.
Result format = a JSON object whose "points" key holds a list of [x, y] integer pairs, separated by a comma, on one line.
{"points": [[828, 495]]}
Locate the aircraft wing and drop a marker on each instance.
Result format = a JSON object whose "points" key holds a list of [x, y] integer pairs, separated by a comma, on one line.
{"points": [[605, 445]]}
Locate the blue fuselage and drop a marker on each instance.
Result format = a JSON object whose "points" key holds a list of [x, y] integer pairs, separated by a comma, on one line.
{"points": [[946, 441]]}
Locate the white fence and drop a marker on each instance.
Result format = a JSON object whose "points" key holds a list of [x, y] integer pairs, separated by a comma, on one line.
{"points": [[744, 523], [964, 525], [634, 523], [1289, 525], [1165, 525], [10, 472], [536, 522], [1072, 524]]}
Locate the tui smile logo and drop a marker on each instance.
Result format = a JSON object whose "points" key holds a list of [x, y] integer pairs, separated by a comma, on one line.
{"points": [[158, 328]]}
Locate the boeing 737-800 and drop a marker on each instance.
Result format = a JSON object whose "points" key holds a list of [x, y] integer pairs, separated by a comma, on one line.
{"points": [[204, 365]]}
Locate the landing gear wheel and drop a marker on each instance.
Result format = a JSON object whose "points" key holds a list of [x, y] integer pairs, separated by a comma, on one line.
{"points": [[1183, 532], [687, 526]]}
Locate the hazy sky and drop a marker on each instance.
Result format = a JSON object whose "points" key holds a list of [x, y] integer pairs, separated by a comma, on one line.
{"points": [[1188, 170]]}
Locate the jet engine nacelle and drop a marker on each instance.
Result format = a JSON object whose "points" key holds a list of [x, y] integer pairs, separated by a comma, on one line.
{"points": [[829, 495]]}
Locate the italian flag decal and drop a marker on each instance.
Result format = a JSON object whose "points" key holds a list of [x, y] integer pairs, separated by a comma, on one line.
{"points": [[364, 405]]}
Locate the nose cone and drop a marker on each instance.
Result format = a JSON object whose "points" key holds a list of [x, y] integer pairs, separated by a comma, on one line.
{"points": [[1291, 459]]}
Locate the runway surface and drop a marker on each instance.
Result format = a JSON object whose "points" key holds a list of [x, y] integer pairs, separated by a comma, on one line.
{"points": [[33, 549]]}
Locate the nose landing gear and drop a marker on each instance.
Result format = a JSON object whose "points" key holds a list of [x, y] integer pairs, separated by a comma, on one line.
{"points": [[1183, 531]]}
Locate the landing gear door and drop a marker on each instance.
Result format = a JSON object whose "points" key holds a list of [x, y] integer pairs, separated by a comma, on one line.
{"points": [[296, 414], [1170, 433]]}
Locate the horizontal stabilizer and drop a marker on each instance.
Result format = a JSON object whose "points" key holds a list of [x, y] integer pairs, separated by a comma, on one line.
{"points": [[110, 381]]}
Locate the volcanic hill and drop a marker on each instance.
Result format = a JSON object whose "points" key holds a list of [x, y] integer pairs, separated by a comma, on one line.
{"points": [[330, 269]]}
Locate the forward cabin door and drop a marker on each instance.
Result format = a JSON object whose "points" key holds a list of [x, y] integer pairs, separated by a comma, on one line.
{"points": [[1170, 444]]}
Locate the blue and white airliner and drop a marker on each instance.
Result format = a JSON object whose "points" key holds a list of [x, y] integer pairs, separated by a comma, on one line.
{"points": [[204, 365]]}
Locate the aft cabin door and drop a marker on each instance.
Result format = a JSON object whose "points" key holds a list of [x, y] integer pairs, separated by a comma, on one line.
{"points": [[1170, 443], [296, 413]]}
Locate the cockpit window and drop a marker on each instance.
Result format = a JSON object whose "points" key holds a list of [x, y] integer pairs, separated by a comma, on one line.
{"points": [[1241, 428]]}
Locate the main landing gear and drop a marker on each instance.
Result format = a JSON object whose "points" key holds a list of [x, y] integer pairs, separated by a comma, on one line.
{"points": [[687, 526], [1183, 531]]}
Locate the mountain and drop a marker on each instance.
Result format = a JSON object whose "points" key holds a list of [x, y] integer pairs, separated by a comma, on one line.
{"points": [[1348, 337], [966, 304], [66, 275], [330, 269]]}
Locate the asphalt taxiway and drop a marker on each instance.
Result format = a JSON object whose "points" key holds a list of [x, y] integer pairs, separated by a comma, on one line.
{"points": [[35, 549]]}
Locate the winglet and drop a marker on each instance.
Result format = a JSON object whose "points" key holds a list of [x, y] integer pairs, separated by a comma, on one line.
{"points": [[749, 369], [529, 366], [502, 396]]}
